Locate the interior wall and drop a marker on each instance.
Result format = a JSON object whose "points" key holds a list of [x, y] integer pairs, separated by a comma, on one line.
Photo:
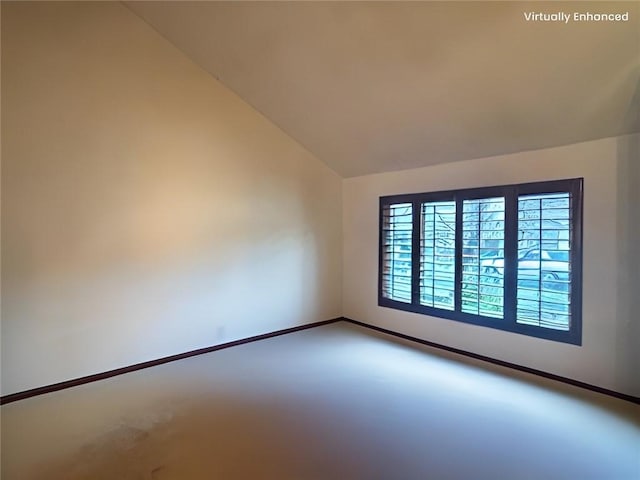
{"points": [[628, 267], [607, 355], [146, 209]]}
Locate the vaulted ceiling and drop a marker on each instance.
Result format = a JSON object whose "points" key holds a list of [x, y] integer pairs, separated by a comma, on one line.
{"points": [[379, 86]]}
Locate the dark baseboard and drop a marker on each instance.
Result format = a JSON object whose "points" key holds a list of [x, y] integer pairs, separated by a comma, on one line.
{"points": [[14, 397], [551, 376]]}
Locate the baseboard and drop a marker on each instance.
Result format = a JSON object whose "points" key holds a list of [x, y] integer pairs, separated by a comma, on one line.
{"points": [[551, 376], [14, 397]]}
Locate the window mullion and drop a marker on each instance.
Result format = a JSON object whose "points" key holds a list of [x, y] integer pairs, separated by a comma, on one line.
{"points": [[575, 245], [511, 255], [458, 247], [416, 240]]}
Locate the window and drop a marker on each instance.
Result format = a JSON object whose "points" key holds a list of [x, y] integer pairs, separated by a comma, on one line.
{"points": [[506, 257]]}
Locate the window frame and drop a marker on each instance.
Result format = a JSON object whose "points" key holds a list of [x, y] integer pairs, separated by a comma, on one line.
{"points": [[573, 186]]}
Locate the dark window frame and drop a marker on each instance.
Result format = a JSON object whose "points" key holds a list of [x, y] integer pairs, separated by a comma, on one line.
{"points": [[511, 192]]}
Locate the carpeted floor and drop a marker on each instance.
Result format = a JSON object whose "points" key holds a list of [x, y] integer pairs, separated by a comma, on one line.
{"points": [[333, 402]]}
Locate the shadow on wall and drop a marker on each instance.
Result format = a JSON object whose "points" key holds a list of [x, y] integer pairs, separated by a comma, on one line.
{"points": [[628, 230]]}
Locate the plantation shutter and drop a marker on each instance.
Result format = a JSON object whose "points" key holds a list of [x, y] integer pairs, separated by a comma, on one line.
{"points": [[397, 220], [483, 233], [544, 260], [438, 254]]}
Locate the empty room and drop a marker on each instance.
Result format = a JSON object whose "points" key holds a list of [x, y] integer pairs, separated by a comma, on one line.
{"points": [[320, 240]]}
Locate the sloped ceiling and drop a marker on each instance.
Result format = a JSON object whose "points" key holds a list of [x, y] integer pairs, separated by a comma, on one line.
{"points": [[379, 86]]}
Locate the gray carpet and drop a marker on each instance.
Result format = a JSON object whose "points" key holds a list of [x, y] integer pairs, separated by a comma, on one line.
{"points": [[334, 402]]}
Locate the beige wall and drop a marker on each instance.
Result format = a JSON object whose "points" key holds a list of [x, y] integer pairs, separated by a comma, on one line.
{"points": [[609, 354], [146, 210], [628, 267]]}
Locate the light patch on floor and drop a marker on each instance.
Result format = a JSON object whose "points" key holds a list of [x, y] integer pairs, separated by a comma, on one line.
{"points": [[332, 402]]}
